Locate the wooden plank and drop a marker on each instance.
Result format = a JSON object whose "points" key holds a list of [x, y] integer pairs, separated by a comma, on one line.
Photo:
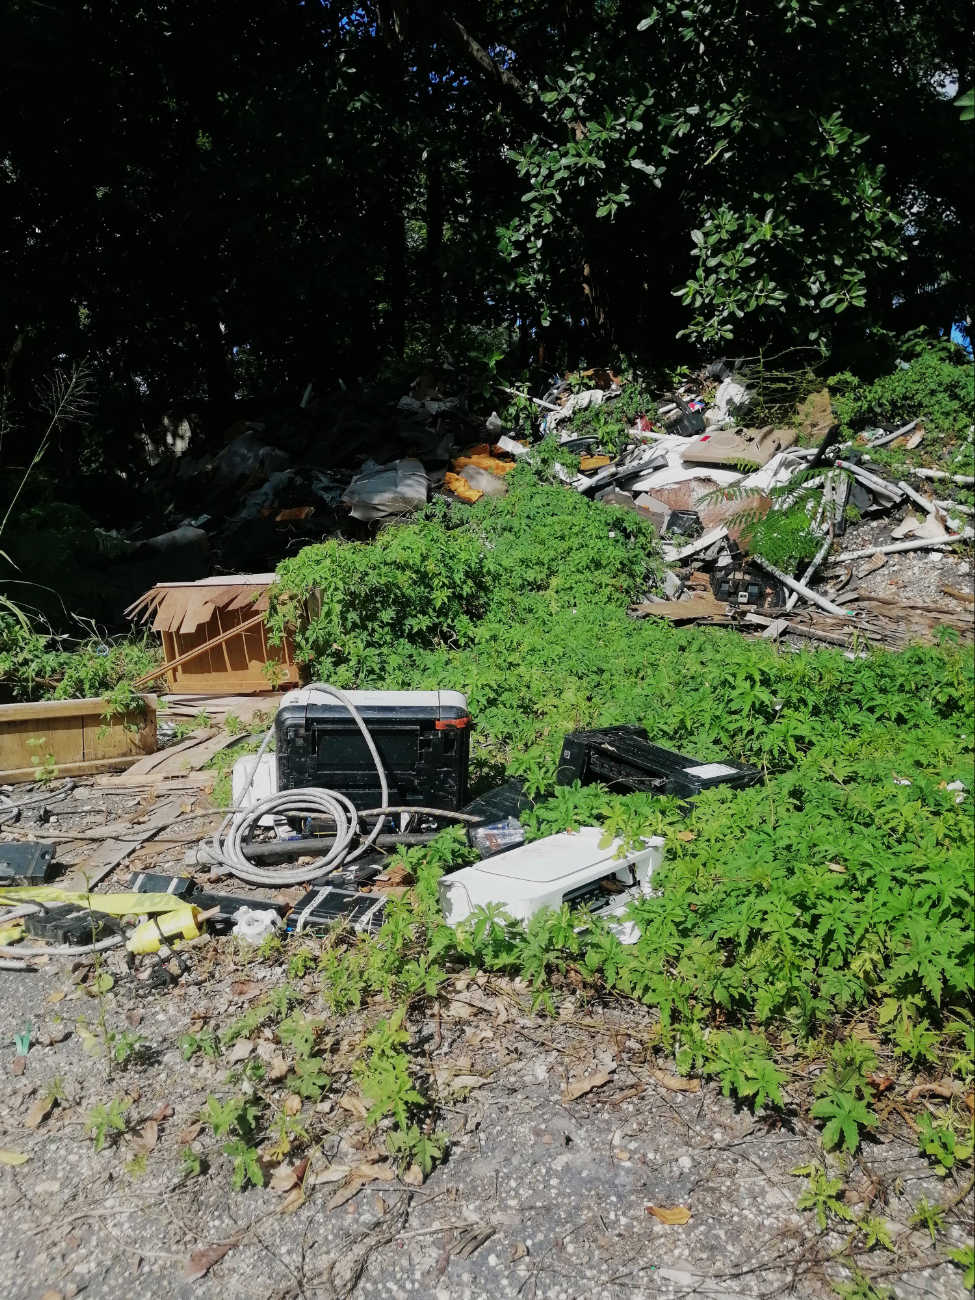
{"points": [[187, 783], [152, 761], [34, 709], [74, 732], [18, 776], [111, 853], [192, 759]]}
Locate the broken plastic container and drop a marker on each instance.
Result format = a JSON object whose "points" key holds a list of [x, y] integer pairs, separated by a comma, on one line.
{"points": [[498, 837]]}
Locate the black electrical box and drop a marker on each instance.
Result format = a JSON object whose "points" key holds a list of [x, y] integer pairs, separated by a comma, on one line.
{"points": [[423, 739], [150, 882], [66, 923], [623, 759], [25, 864], [748, 585]]}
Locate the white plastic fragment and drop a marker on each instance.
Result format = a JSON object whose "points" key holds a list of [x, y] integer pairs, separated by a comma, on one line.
{"points": [[255, 924]]}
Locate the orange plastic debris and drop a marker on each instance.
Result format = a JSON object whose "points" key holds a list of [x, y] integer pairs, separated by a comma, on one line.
{"points": [[490, 463], [461, 488], [593, 462]]}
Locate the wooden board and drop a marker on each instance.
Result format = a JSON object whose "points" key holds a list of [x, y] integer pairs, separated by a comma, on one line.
{"points": [[80, 739]]}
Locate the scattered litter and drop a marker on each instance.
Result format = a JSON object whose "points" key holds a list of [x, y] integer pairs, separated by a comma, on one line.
{"points": [[381, 490], [577, 868], [255, 925], [674, 1217], [623, 759]]}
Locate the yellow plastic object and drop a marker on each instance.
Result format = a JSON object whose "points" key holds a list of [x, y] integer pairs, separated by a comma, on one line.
{"points": [[111, 904], [460, 487], [183, 922], [11, 933]]}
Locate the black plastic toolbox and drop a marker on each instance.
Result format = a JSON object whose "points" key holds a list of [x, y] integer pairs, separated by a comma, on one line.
{"points": [[623, 759], [423, 738]]}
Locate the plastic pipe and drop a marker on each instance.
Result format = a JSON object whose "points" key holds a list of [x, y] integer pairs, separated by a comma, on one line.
{"points": [[801, 588]]}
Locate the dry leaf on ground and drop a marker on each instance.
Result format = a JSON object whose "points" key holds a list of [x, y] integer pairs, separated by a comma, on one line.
{"points": [[413, 1176], [346, 1193], [579, 1087], [240, 1050], [150, 1134], [39, 1111], [201, 1261], [333, 1174], [190, 1134], [162, 1112], [13, 1157], [245, 989], [353, 1105], [931, 1090], [674, 1082], [457, 1010], [57, 996], [676, 1216], [292, 1104], [286, 1176]]}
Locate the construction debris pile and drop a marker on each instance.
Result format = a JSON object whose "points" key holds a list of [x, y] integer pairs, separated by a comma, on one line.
{"points": [[702, 475], [696, 461]]}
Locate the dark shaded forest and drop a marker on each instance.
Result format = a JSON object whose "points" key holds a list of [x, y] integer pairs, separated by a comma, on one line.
{"points": [[219, 210]]}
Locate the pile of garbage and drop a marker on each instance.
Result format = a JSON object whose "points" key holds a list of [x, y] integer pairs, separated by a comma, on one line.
{"points": [[703, 474], [697, 464]]}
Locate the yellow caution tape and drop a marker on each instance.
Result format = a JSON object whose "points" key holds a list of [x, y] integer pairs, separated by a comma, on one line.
{"points": [[111, 904]]}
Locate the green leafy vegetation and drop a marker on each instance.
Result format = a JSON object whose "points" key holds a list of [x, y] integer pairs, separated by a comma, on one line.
{"points": [[35, 666], [108, 1121], [934, 381], [828, 891]]}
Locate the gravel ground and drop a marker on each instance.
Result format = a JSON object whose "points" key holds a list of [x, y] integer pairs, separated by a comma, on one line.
{"points": [[919, 576], [539, 1196]]}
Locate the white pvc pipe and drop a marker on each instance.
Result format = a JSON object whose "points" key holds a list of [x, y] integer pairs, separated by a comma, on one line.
{"points": [[963, 479], [923, 502], [813, 566], [801, 588], [899, 546]]}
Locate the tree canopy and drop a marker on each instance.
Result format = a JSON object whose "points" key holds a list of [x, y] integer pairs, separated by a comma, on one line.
{"points": [[221, 202]]}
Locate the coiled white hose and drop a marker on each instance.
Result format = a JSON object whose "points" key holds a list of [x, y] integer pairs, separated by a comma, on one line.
{"points": [[233, 832]]}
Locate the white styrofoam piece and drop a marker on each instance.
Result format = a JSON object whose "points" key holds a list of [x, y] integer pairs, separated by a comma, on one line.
{"points": [[540, 874]]}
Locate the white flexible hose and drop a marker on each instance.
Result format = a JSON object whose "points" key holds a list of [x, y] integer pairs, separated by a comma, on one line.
{"points": [[227, 844], [8, 807]]}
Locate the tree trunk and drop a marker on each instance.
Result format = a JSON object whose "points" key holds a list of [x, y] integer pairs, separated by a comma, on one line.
{"points": [[434, 249]]}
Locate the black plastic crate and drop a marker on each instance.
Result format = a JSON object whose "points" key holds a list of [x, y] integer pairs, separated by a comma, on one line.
{"points": [[324, 907], [624, 759], [423, 739]]}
